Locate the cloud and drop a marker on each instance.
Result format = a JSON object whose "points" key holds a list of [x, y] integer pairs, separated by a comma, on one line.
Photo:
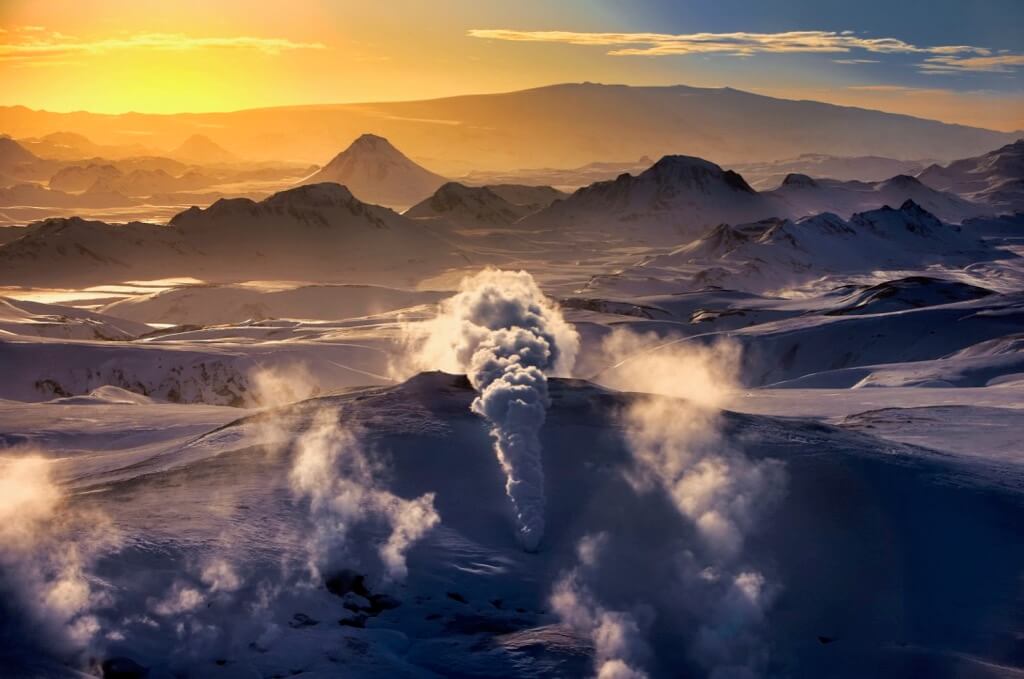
{"points": [[939, 59], [999, 63], [56, 45], [738, 43]]}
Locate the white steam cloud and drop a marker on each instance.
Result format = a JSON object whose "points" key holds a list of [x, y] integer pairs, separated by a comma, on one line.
{"points": [[507, 337], [47, 551], [332, 471], [616, 636], [677, 445]]}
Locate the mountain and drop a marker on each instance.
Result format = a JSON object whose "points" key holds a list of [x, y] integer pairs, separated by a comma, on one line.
{"points": [[674, 200], [81, 177], [312, 232], [566, 125], [202, 150], [768, 175], [995, 178], [567, 179], [36, 195], [379, 173], [483, 206], [13, 154], [765, 254], [806, 196], [63, 145], [19, 164]]}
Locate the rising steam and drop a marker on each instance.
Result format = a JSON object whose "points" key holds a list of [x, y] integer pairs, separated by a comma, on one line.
{"points": [[332, 471], [677, 445], [47, 551], [507, 337], [616, 636]]}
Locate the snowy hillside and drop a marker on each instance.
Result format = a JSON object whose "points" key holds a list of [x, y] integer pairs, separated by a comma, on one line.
{"points": [[995, 178], [824, 572], [807, 196], [674, 200]]}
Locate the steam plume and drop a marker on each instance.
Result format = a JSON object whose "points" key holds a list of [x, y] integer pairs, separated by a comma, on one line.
{"points": [[47, 551], [332, 471], [618, 643], [507, 337], [677, 445]]}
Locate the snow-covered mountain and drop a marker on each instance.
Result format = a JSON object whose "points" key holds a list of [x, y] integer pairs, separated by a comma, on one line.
{"points": [[318, 230], [483, 206], [674, 200], [769, 174], [776, 252], [995, 179], [378, 173], [806, 196]]}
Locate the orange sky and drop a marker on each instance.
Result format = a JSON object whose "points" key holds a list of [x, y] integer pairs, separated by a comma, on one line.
{"points": [[142, 55]]}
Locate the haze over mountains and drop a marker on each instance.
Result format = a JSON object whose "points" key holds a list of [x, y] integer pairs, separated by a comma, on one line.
{"points": [[556, 126]]}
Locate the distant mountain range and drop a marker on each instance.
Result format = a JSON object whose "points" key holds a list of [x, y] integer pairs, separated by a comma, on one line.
{"points": [[320, 230], [565, 125], [324, 228]]}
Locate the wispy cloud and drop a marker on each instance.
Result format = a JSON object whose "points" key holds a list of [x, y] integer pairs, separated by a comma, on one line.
{"points": [[936, 58], [739, 43], [41, 45], [998, 63]]}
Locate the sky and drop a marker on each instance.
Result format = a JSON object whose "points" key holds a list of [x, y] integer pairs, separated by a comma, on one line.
{"points": [[950, 60]]}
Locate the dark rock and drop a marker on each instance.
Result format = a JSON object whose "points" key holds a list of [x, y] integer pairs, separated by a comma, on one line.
{"points": [[354, 621], [302, 620], [346, 581], [383, 602], [455, 596], [123, 668]]}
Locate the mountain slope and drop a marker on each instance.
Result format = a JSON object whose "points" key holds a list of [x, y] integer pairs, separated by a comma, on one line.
{"points": [[831, 542], [995, 178], [378, 173]]}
